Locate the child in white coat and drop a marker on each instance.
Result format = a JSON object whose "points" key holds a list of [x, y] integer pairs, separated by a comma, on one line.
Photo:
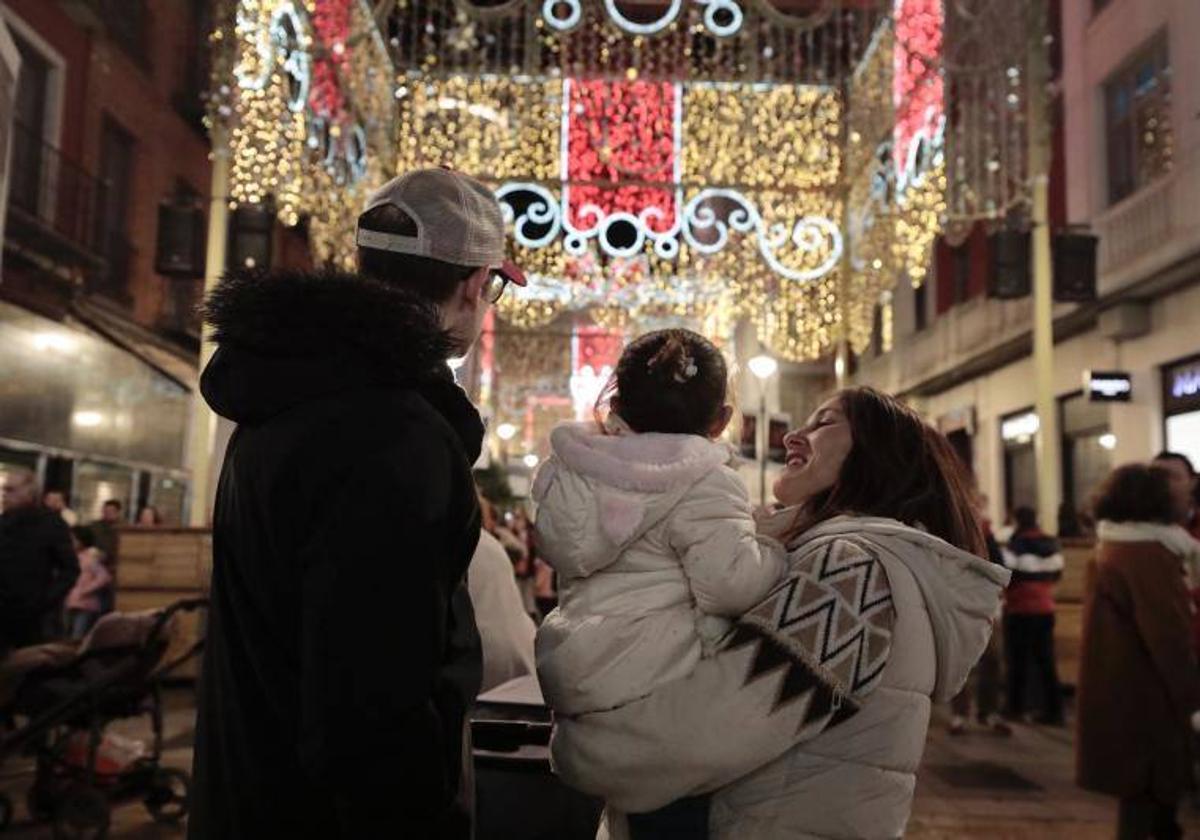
{"points": [[652, 535]]}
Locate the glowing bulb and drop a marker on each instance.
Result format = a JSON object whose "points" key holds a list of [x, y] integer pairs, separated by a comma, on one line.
{"points": [[763, 367], [506, 431], [530, 460], [1108, 440], [87, 419], [60, 342]]}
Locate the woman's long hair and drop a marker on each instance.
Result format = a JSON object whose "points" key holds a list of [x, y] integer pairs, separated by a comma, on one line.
{"points": [[901, 468]]}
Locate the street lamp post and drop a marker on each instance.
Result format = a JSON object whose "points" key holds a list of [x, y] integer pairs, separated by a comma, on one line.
{"points": [[506, 432], [763, 367]]}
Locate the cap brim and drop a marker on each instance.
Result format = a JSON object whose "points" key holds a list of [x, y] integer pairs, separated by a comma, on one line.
{"points": [[512, 273]]}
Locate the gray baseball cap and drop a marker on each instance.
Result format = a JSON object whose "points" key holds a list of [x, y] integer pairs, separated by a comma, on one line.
{"points": [[458, 221]]}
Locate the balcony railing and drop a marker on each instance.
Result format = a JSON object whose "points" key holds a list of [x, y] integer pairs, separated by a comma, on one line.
{"points": [[53, 192]]}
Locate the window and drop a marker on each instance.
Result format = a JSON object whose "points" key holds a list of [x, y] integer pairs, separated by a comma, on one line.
{"points": [[1137, 115], [116, 173], [1087, 447], [128, 21]]}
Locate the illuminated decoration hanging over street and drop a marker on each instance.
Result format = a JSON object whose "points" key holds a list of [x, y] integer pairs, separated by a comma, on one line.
{"points": [[310, 110], [698, 161]]}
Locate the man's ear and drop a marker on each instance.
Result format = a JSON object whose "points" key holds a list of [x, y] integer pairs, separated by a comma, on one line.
{"points": [[719, 425], [472, 288]]}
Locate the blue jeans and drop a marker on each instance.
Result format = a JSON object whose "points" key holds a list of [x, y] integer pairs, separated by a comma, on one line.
{"points": [[683, 819]]}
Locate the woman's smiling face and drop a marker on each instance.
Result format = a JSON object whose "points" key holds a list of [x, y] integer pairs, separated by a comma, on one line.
{"points": [[815, 454]]}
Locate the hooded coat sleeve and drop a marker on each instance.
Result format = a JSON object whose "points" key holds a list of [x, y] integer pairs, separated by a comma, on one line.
{"points": [[370, 730], [729, 567]]}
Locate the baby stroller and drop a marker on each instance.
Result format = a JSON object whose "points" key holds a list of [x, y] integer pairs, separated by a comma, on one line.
{"points": [[67, 695]]}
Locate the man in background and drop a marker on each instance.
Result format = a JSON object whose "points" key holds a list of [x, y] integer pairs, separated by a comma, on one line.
{"points": [[56, 501], [38, 566]]}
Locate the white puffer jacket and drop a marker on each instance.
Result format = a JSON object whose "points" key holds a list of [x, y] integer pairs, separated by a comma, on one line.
{"points": [[652, 537], [740, 723]]}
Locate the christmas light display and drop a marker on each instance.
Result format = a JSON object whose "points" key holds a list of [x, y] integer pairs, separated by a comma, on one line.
{"points": [[706, 162]]}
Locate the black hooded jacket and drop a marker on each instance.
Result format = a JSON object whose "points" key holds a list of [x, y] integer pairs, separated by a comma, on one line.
{"points": [[342, 650]]}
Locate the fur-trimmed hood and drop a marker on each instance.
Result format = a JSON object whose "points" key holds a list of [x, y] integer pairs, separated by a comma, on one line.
{"points": [[287, 337], [616, 485]]}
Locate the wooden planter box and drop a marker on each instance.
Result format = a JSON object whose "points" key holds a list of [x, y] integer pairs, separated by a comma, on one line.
{"points": [[158, 566]]}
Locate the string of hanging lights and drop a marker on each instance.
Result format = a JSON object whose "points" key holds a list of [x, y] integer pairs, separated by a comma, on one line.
{"points": [[702, 160]]}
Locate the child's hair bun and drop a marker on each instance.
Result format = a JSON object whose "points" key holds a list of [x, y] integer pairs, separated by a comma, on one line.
{"points": [[670, 381], [673, 360]]}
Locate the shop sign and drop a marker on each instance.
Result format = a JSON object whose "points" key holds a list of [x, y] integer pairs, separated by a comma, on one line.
{"points": [[1181, 387], [1108, 385]]}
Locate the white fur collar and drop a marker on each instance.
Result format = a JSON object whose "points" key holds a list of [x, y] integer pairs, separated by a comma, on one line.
{"points": [[1173, 537], [641, 463]]}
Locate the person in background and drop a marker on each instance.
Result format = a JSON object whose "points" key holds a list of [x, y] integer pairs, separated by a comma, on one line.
{"points": [[1138, 683], [1184, 487], [108, 540], [38, 566], [1181, 478], [1037, 564], [505, 628], [84, 599], [149, 517], [56, 501], [986, 675]]}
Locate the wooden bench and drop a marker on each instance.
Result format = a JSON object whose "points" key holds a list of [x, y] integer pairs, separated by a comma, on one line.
{"points": [[159, 566]]}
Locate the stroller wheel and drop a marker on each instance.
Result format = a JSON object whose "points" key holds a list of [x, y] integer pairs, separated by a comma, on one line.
{"points": [[6, 811], [82, 814], [169, 795]]}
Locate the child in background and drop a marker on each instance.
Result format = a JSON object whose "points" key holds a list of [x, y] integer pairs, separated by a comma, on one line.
{"points": [[652, 536], [83, 602]]}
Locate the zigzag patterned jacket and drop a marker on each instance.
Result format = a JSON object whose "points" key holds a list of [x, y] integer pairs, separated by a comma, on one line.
{"points": [[812, 720]]}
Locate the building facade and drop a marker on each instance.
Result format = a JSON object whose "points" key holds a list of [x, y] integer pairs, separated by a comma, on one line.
{"points": [[1127, 169], [98, 347]]}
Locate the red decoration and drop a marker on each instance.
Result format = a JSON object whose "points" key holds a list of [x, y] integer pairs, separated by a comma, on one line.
{"points": [[595, 347], [331, 22], [621, 132], [917, 89]]}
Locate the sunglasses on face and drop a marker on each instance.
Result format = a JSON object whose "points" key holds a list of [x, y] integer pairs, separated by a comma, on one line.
{"points": [[494, 286]]}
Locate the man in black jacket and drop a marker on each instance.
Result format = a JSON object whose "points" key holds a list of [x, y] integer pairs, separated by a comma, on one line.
{"points": [[38, 565], [342, 651]]}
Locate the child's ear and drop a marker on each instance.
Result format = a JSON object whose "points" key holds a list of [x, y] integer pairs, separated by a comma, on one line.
{"points": [[719, 425]]}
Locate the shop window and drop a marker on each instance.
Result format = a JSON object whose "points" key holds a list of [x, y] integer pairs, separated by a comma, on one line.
{"points": [[1017, 432], [96, 483], [1087, 445], [1137, 116], [1181, 408]]}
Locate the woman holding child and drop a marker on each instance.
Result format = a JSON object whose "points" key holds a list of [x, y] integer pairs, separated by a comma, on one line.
{"points": [[717, 679]]}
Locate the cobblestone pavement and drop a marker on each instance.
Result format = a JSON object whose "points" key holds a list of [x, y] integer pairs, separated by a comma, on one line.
{"points": [[972, 786]]}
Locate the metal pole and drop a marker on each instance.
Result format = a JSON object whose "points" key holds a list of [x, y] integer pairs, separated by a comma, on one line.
{"points": [[1047, 442], [763, 438], [204, 422]]}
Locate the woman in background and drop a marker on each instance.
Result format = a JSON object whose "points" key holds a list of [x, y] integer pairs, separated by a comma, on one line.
{"points": [[1138, 685]]}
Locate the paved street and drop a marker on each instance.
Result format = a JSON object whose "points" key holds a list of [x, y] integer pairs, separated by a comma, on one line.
{"points": [[972, 786]]}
